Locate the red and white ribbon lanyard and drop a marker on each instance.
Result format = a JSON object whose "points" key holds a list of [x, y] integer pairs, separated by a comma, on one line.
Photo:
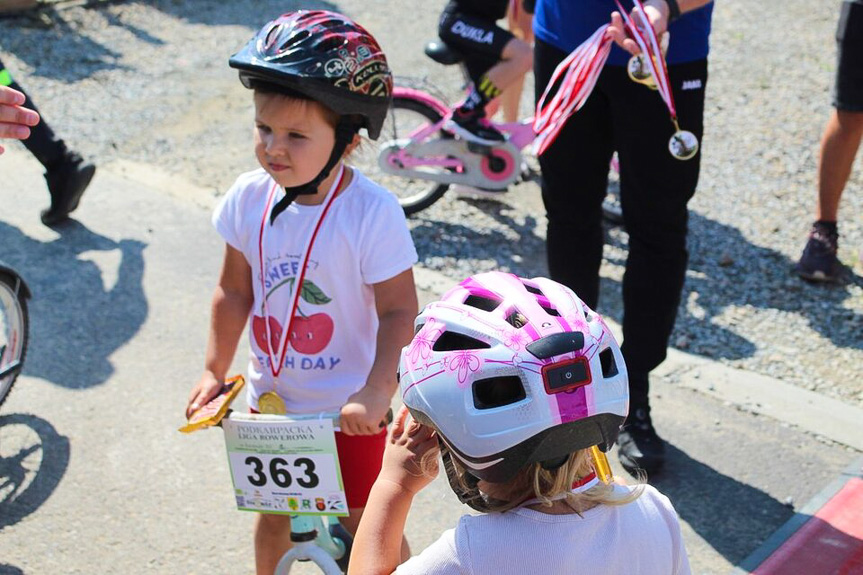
{"points": [[276, 366], [580, 71]]}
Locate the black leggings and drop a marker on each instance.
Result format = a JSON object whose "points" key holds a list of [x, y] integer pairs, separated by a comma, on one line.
{"points": [[42, 143], [654, 190]]}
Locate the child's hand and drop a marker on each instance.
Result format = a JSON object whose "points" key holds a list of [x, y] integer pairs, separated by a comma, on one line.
{"points": [[206, 389], [364, 412], [407, 445]]}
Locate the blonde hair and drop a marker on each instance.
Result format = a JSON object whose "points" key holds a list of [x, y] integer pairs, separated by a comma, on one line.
{"points": [[546, 486]]}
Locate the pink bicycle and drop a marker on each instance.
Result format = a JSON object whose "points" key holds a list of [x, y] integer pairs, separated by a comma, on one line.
{"points": [[418, 160]]}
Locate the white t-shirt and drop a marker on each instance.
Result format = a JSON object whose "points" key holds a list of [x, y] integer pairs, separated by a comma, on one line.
{"points": [[639, 538], [362, 241]]}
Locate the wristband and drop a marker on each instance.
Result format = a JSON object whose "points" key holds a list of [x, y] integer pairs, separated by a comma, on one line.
{"points": [[673, 10]]}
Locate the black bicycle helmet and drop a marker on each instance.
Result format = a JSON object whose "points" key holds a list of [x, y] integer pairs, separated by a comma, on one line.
{"points": [[325, 56], [329, 58]]}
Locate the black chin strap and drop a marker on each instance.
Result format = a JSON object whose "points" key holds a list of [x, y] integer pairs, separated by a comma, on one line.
{"points": [[345, 131]]}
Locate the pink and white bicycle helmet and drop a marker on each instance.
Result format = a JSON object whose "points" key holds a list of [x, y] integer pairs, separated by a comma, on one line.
{"points": [[512, 371]]}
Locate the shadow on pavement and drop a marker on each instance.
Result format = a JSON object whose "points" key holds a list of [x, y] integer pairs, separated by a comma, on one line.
{"points": [[75, 56], [731, 516], [77, 319], [220, 13], [725, 270], [33, 460]]}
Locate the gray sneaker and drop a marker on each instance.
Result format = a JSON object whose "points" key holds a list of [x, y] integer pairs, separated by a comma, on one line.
{"points": [[819, 262]]}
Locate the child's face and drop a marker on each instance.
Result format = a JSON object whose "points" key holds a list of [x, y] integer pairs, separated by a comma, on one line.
{"points": [[293, 138]]}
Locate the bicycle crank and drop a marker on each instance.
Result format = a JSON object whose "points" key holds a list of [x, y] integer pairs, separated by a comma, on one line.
{"points": [[453, 161]]}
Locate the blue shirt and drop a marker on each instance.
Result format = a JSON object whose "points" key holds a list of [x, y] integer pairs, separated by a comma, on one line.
{"points": [[565, 24]]}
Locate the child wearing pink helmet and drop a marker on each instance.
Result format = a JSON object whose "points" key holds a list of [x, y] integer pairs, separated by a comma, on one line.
{"points": [[521, 388]]}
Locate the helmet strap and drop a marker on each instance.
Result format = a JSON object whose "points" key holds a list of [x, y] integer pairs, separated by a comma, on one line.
{"points": [[471, 495], [345, 132]]}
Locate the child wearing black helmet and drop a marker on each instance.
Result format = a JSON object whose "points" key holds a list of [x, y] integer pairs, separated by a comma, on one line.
{"points": [[318, 259], [521, 388]]}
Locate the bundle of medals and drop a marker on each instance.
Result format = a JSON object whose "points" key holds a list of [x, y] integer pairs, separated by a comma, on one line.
{"points": [[581, 69]]}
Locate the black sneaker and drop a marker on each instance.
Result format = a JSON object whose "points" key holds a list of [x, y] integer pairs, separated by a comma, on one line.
{"points": [[819, 262], [66, 183], [639, 447], [473, 127]]}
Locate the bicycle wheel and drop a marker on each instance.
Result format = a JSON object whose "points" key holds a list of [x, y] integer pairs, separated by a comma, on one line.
{"points": [[14, 324], [405, 116]]}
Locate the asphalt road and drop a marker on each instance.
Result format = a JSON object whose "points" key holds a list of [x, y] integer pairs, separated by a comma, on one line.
{"points": [[103, 482]]}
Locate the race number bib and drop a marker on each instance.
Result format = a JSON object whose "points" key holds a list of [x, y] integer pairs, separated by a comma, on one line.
{"points": [[279, 465]]}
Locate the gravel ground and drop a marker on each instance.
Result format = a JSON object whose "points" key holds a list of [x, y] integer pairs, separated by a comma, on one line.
{"points": [[148, 83]]}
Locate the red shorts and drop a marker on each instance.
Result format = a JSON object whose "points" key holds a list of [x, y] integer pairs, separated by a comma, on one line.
{"points": [[360, 458]]}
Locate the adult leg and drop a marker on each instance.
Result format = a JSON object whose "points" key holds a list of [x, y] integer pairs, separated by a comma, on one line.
{"points": [[574, 180], [838, 147], [655, 188], [66, 173], [43, 143]]}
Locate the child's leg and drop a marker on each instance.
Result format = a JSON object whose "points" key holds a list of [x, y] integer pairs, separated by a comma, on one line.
{"points": [[516, 61], [272, 540]]}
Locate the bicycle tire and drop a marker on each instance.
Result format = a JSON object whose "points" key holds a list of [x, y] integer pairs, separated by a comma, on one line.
{"points": [[414, 194], [14, 329]]}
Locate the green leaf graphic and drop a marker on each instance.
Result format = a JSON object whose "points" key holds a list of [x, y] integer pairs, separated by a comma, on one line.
{"points": [[313, 294]]}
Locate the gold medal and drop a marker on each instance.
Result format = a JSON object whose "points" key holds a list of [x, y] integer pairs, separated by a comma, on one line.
{"points": [[270, 402], [639, 72], [683, 145]]}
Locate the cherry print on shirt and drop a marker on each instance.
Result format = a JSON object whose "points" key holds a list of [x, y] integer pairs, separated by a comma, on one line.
{"points": [[310, 334], [259, 330]]}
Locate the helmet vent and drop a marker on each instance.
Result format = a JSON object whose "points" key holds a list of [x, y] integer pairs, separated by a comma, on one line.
{"points": [[273, 34], [451, 341], [483, 303], [532, 289], [329, 45], [497, 392], [292, 40], [516, 319], [606, 360], [418, 328], [550, 310]]}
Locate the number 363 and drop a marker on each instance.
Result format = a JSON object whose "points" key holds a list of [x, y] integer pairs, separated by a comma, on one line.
{"points": [[280, 471]]}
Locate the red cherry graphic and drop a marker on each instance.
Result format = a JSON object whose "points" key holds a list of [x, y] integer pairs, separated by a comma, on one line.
{"points": [[259, 331], [311, 334]]}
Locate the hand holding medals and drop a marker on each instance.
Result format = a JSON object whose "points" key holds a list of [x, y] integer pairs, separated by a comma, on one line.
{"points": [[683, 144], [575, 77]]}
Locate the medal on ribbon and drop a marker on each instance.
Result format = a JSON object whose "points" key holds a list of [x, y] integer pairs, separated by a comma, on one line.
{"points": [[270, 401], [683, 144]]}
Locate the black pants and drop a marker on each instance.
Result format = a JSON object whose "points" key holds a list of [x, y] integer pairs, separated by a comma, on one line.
{"points": [[654, 190], [42, 143]]}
